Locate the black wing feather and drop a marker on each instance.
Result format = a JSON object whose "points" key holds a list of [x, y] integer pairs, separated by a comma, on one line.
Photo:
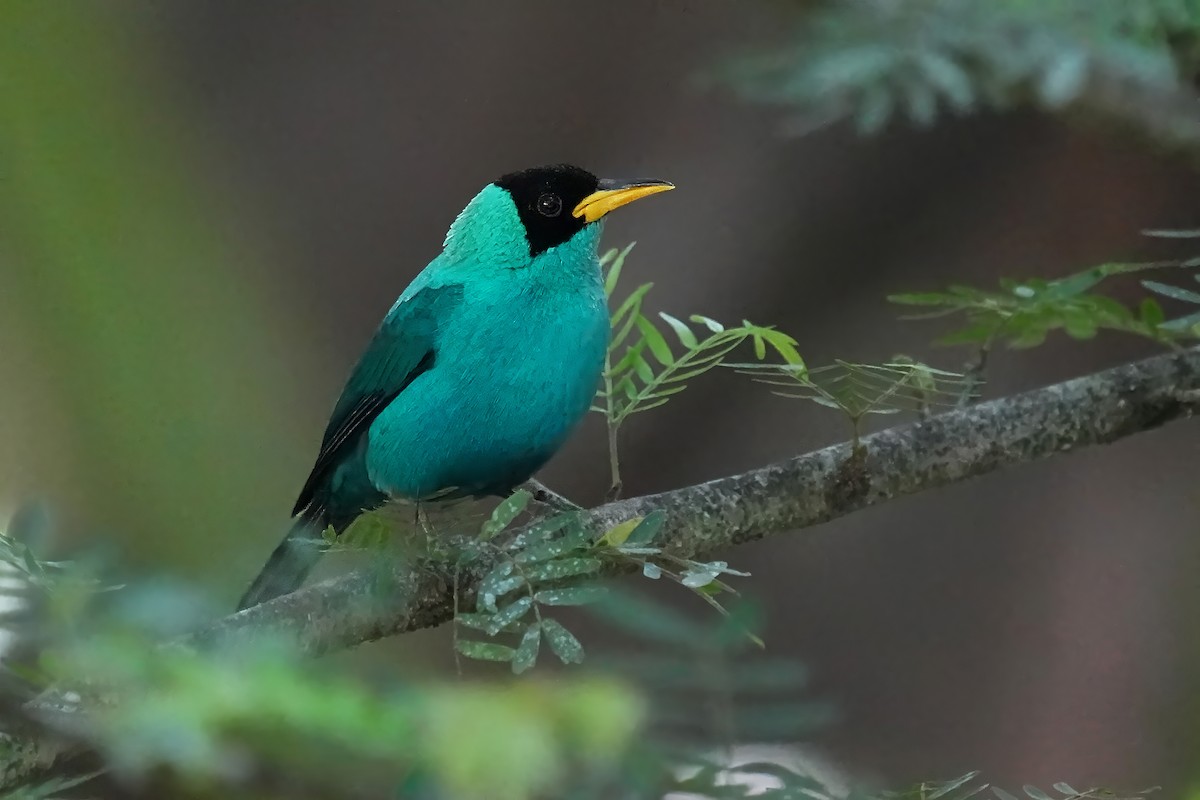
{"points": [[402, 350]]}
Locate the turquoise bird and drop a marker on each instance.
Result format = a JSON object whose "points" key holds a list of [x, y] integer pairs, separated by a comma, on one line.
{"points": [[478, 373]]}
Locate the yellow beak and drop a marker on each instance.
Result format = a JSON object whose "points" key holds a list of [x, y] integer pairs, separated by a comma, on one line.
{"points": [[613, 194]]}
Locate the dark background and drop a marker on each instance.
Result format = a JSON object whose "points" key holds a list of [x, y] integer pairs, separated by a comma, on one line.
{"points": [[207, 206]]}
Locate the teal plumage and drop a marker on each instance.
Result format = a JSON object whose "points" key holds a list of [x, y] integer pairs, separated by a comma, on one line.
{"points": [[481, 369]]}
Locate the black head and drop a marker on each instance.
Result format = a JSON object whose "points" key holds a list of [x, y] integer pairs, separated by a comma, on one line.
{"points": [[545, 198]]}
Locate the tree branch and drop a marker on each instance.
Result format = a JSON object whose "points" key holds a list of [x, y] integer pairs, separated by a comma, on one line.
{"points": [[778, 498], [806, 490]]}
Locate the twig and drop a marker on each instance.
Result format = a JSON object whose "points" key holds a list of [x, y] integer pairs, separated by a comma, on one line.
{"points": [[614, 462], [548, 497], [974, 376]]}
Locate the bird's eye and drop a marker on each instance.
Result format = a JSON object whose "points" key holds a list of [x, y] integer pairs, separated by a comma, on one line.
{"points": [[549, 205]]}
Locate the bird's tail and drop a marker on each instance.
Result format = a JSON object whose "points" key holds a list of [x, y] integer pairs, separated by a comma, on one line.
{"points": [[290, 563]]}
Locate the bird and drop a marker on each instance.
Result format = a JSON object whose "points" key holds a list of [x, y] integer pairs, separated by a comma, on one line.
{"points": [[478, 373]]}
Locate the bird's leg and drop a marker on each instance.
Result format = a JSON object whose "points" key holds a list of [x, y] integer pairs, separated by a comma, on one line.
{"points": [[421, 518], [546, 496]]}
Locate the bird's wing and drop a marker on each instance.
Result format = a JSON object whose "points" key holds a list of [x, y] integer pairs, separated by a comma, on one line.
{"points": [[402, 349]]}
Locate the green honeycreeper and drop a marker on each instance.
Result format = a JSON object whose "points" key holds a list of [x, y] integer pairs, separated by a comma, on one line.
{"points": [[480, 370]]}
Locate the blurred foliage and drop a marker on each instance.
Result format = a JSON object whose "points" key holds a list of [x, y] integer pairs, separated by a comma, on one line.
{"points": [[874, 60], [261, 721], [261, 717], [124, 281]]}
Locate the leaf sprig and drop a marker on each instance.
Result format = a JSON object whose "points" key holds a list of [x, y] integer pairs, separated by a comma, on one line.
{"points": [[644, 368], [1022, 313], [860, 390], [556, 562], [1189, 324]]}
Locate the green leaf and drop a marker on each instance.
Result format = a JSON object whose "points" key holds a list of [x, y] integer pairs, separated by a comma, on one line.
{"points": [[1151, 312], [626, 314], [627, 359], [711, 324], [509, 614], [785, 346], [686, 337], [1073, 285], [1173, 234], [651, 570], [655, 341], [497, 583], [542, 530], [563, 568], [951, 785], [606, 257], [479, 622], [570, 595], [1065, 788], [527, 651], [822, 400], [617, 534], [485, 651], [1079, 326], [647, 528], [699, 575], [873, 113], [924, 299], [505, 586], [1173, 292], [1036, 793], [1063, 80], [1003, 795], [951, 81], [573, 540], [1182, 324], [614, 272], [495, 575], [370, 531], [642, 368], [562, 642], [505, 513]]}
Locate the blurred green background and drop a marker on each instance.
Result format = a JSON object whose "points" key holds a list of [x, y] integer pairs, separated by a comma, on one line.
{"points": [[205, 208]]}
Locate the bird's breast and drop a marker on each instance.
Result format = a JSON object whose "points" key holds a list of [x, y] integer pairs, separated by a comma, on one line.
{"points": [[513, 373]]}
